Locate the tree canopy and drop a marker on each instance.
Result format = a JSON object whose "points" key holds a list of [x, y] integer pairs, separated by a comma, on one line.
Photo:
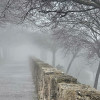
{"points": [[78, 21], [40, 11]]}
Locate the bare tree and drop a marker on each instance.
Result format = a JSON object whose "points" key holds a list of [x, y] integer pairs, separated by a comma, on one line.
{"points": [[75, 13], [87, 38], [70, 43], [93, 24], [44, 10], [74, 55], [47, 43]]}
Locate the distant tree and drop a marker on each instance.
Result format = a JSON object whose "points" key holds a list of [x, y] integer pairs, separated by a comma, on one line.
{"points": [[69, 44], [46, 42], [75, 13], [86, 38], [74, 55]]}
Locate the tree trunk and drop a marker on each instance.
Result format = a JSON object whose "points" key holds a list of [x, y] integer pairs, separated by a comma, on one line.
{"points": [[97, 77], [43, 55], [53, 58], [70, 63]]}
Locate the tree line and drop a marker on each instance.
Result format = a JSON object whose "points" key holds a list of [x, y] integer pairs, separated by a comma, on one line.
{"points": [[76, 23]]}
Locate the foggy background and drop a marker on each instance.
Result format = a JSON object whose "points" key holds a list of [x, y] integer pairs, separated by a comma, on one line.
{"points": [[18, 43]]}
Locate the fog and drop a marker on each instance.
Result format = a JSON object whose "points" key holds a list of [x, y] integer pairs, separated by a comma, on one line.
{"points": [[19, 43]]}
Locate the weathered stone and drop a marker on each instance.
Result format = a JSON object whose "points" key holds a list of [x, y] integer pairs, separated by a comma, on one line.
{"points": [[76, 92], [52, 84]]}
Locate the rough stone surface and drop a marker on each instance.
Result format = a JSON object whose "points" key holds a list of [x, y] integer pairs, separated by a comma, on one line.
{"points": [[52, 84], [76, 92]]}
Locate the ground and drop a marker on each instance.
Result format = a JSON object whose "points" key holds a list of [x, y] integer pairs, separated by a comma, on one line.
{"points": [[16, 82]]}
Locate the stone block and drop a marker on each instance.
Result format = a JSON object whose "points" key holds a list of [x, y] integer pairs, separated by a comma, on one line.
{"points": [[53, 84], [76, 92]]}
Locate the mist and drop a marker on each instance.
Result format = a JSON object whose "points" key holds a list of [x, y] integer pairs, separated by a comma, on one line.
{"points": [[62, 33], [18, 43]]}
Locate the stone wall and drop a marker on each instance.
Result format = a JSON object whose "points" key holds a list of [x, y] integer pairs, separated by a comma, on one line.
{"points": [[52, 84]]}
